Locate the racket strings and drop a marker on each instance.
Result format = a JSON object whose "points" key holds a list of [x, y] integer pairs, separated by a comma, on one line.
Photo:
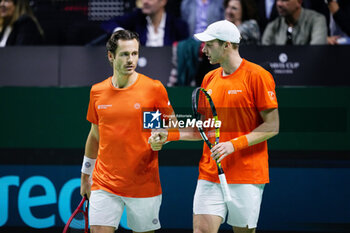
{"points": [[205, 112]]}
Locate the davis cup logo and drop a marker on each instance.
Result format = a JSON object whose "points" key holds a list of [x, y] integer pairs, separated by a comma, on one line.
{"points": [[283, 57], [283, 65], [151, 120]]}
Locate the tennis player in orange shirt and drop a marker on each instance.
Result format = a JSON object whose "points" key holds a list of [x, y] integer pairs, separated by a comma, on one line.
{"points": [[244, 96], [123, 166]]}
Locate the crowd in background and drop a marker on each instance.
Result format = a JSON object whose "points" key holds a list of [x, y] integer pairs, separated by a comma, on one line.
{"points": [[167, 22]]}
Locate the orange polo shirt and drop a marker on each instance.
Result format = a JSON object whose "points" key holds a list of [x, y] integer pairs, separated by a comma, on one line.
{"points": [[239, 98], [126, 164]]}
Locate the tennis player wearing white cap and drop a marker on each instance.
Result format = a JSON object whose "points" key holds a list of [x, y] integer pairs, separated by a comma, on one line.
{"points": [[245, 93]]}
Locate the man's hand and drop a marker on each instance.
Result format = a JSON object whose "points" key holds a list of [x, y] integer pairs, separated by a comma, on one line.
{"points": [[221, 150], [85, 185], [332, 40], [157, 139]]}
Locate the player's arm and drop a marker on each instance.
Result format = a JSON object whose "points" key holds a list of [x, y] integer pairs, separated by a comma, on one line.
{"points": [[182, 134], [268, 129], [265, 131], [176, 134], [190, 134], [161, 136], [91, 151]]}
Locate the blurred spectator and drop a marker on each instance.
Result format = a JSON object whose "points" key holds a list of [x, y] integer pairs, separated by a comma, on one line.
{"points": [[189, 63], [295, 26], [243, 13], [200, 13], [19, 25], [267, 12], [339, 23], [155, 27]]}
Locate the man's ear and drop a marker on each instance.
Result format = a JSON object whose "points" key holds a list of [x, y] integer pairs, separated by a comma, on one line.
{"points": [[227, 44], [110, 57]]}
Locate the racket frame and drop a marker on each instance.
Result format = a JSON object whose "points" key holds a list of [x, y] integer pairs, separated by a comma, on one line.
{"points": [[84, 202], [222, 177]]}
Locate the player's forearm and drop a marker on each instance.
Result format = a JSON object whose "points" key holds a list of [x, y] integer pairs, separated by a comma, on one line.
{"points": [[85, 177], [262, 133], [186, 134], [91, 147], [189, 134]]}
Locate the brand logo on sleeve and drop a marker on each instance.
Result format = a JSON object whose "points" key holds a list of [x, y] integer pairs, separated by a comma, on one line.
{"points": [[272, 95]]}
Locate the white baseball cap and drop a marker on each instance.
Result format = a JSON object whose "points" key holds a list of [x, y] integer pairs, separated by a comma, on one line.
{"points": [[223, 30]]}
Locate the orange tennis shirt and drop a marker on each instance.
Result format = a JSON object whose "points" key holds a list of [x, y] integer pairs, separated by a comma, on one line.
{"points": [[126, 164], [238, 98]]}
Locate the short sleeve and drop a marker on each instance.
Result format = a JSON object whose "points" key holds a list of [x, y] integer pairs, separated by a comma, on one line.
{"points": [[264, 91], [162, 100], [92, 114], [203, 104]]}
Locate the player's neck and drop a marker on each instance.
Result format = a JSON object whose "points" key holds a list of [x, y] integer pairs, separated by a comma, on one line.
{"points": [[124, 81], [231, 64]]}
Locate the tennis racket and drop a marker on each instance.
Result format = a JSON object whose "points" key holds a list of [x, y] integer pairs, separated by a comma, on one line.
{"points": [[204, 109], [78, 222]]}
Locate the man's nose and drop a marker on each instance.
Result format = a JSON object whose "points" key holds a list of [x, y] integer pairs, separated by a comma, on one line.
{"points": [[129, 60]]}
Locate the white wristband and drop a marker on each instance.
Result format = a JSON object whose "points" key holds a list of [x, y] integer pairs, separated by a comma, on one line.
{"points": [[88, 165]]}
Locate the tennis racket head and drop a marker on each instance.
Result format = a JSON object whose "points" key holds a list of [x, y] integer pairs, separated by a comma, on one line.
{"points": [[79, 221], [203, 109]]}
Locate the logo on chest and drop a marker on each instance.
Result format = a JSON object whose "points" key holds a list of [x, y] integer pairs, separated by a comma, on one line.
{"points": [[234, 92], [104, 106], [137, 105]]}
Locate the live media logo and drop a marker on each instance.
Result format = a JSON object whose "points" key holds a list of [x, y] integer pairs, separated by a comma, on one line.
{"points": [[151, 120]]}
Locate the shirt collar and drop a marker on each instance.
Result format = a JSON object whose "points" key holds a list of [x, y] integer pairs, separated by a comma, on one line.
{"points": [[162, 21]]}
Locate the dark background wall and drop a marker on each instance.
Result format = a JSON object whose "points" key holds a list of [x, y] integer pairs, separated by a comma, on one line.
{"points": [[83, 66], [43, 102]]}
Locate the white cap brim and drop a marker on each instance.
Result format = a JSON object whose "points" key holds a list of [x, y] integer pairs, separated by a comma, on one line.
{"points": [[204, 37]]}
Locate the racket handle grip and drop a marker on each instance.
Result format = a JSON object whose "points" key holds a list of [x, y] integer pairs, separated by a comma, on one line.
{"points": [[224, 188]]}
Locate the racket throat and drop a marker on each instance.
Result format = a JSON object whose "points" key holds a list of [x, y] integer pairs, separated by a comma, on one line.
{"points": [[220, 170]]}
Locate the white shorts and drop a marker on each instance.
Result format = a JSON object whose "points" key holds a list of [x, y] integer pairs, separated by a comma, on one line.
{"points": [[106, 209], [244, 209]]}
